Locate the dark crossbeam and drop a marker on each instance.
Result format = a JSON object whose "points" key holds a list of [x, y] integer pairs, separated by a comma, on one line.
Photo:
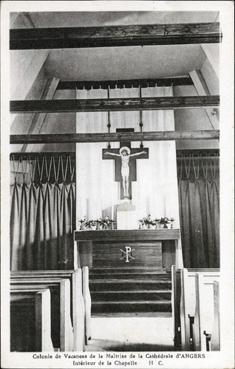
{"points": [[132, 35], [129, 104], [128, 83], [114, 137]]}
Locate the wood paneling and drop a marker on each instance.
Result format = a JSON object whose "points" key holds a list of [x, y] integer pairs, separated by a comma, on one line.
{"points": [[110, 255]]}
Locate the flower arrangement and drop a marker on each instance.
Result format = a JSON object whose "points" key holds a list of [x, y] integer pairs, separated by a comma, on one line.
{"points": [[105, 223], [97, 224], [165, 221], [148, 223]]}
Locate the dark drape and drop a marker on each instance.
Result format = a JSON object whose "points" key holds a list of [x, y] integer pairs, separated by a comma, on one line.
{"points": [[42, 211], [198, 178]]}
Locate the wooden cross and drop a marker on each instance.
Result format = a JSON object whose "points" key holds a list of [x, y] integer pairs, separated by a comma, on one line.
{"points": [[125, 164]]}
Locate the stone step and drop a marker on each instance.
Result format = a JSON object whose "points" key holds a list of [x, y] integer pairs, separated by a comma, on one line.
{"points": [[130, 307], [128, 285], [136, 295]]}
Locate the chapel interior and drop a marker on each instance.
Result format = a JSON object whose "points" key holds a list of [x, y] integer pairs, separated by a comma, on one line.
{"points": [[114, 181]]}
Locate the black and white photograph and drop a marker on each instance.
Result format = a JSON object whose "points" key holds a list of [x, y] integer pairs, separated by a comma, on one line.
{"points": [[117, 184]]}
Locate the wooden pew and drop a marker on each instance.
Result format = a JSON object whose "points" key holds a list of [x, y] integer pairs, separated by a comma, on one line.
{"points": [[196, 308], [207, 311], [215, 342], [87, 302], [176, 297], [77, 302], [37, 305], [60, 307]]}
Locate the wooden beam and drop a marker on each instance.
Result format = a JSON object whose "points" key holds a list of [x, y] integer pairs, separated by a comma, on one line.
{"points": [[129, 83], [127, 104], [114, 137], [131, 35]]}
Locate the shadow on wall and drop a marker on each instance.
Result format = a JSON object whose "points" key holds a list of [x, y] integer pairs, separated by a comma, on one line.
{"points": [[52, 254]]}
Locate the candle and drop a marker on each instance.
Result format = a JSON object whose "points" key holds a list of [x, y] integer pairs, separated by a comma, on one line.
{"points": [[88, 208], [147, 206]]}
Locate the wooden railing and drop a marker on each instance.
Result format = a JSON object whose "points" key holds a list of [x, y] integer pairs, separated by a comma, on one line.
{"points": [[196, 309]]}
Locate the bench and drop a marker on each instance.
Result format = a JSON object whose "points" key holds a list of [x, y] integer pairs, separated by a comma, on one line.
{"points": [[76, 298], [31, 320], [196, 308], [61, 326]]}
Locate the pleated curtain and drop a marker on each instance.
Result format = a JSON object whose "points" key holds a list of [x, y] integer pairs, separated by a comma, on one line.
{"points": [[42, 213], [199, 211]]}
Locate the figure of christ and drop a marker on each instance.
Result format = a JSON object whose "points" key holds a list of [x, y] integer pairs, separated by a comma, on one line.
{"points": [[125, 155]]}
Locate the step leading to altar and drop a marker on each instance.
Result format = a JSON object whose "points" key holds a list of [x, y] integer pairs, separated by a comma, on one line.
{"points": [[129, 270]]}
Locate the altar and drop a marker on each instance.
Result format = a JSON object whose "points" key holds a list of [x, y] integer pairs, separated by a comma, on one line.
{"points": [[127, 248]]}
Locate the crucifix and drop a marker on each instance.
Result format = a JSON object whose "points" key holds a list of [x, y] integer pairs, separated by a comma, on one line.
{"points": [[125, 164]]}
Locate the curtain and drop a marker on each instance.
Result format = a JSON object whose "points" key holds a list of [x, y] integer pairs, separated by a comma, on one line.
{"points": [[198, 178], [42, 211]]}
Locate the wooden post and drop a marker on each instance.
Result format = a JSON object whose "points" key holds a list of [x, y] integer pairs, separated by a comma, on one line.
{"points": [[76, 263], [184, 309], [197, 325], [78, 311], [198, 334], [66, 336], [215, 339], [87, 302], [178, 254], [185, 328], [43, 321], [176, 307]]}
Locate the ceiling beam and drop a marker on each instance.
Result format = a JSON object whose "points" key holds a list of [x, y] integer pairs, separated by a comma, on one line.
{"points": [[129, 83], [131, 35], [114, 137], [127, 104]]}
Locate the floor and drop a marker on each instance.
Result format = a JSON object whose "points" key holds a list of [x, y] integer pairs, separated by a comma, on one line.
{"points": [[131, 334]]}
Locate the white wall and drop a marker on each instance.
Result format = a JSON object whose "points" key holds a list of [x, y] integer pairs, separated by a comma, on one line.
{"points": [[155, 191]]}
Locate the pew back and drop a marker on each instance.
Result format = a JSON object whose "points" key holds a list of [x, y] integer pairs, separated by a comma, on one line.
{"points": [[35, 304], [60, 306], [77, 301], [196, 307]]}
